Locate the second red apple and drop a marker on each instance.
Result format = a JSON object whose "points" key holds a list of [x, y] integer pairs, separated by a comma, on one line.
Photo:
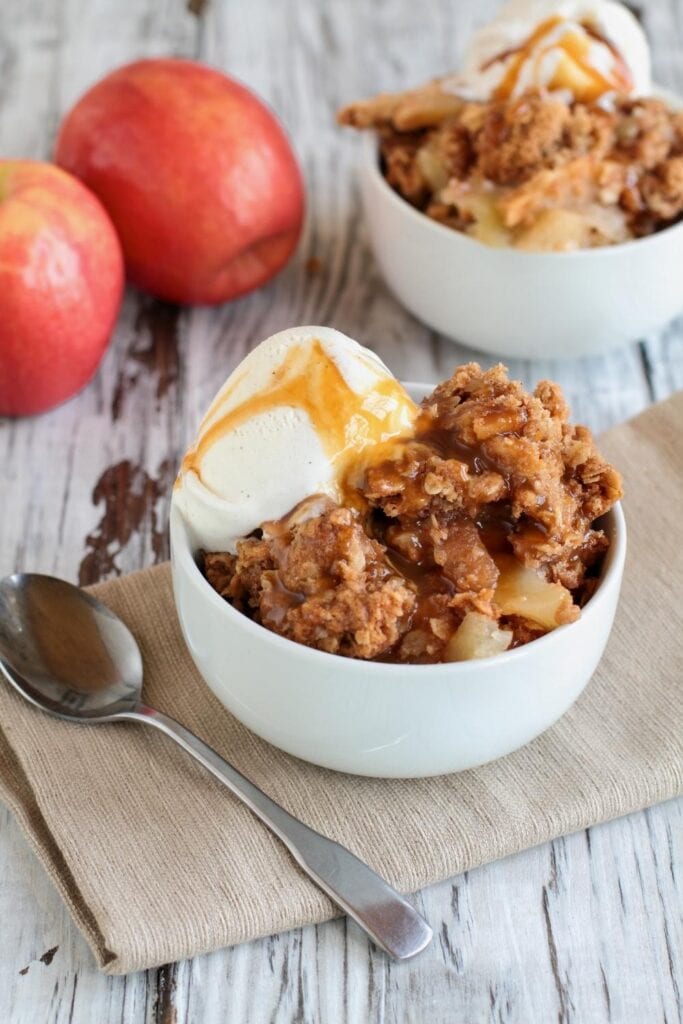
{"points": [[196, 173], [61, 280]]}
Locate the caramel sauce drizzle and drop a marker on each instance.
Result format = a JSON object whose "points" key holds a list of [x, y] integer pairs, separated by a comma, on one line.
{"points": [[309, 379], [575, 47]]}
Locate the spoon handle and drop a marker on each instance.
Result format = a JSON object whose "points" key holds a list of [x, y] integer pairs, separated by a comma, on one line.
{"points": [[389, 920]]}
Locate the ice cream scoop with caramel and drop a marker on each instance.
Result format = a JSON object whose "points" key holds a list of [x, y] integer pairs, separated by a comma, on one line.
{"points": [[584, 48], [286, 424], [443, 532], [548, 139]]}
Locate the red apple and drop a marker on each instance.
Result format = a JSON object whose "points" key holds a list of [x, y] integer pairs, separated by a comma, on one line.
{"points": [[196, 174], [61, 281]]}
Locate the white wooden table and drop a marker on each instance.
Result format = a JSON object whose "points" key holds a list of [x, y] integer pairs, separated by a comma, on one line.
{"points": [[584, 929]]}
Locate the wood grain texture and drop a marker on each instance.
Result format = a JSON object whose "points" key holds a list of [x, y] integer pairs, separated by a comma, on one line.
{"points": [[585, 929]]}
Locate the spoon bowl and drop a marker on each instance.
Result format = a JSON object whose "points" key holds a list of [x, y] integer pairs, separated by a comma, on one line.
{"points": [[65, 651]]}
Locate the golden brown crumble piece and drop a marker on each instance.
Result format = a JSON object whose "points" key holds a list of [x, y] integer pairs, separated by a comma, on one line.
{"points": [[453, 150], [518, 138], [645, 131], [372, 113], [510, 450], [418, 483], [401, 168], [662, 190], [219, 569], [589, 130], [323, 582], [424, 107], [676, 118]]}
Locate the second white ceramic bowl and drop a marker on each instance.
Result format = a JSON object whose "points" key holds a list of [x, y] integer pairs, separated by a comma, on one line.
{"points": [[518, 304], [370, 718]]}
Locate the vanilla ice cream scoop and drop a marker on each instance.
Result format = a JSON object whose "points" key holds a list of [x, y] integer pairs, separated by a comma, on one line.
{"points": [[288, 423], [585, 48]]}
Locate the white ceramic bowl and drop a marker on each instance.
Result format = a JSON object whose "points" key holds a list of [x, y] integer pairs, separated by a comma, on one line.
{"points": [[386, 720], [521, 304]]}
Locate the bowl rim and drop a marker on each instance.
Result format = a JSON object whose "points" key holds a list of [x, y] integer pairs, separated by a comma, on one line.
{"points": [[183, 554], [370, 165]]}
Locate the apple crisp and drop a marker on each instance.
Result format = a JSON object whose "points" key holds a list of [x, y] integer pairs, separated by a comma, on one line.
{"points": [[478, 533], [533, 172]]}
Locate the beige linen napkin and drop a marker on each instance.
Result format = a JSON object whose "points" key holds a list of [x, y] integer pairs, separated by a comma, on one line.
{"points": [[158, 862]]}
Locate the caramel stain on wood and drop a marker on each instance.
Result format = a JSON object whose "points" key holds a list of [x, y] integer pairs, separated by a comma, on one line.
{"points": [[129, 497], [165, 1011], [47, 958], [153, 349], [313, 266], [197, 7], [563, 1016]]}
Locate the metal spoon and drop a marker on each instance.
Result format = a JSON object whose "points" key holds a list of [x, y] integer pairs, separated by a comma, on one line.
{"points": [[68, 654]]}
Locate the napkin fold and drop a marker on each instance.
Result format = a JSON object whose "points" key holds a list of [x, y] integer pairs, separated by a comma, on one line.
{"points": [[158, 862]]}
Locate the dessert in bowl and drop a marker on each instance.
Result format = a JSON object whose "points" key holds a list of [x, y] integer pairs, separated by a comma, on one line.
{"points": [[389, 588], [551, 154]]}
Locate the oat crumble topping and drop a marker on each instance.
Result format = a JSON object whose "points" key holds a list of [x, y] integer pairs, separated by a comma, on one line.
{"points": [[535, 172], [477, 534]]}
